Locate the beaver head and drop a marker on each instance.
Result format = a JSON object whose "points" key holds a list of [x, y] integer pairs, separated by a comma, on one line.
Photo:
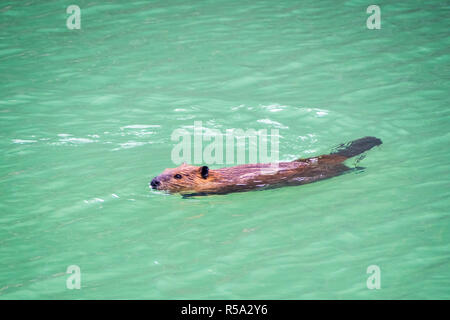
{"points": [[185, 178]]}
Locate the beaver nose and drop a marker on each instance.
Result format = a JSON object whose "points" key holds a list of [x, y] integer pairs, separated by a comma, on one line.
{"points": [[155, 183]]}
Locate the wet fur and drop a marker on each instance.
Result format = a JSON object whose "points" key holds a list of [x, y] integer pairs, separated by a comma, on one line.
{"points": [[197, 180]]}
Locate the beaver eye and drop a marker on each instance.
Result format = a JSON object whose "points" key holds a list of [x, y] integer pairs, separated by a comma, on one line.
{"points": [[177, 176]]}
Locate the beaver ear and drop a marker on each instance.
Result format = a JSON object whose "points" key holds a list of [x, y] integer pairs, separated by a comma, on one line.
{"points": [[204, 171]]}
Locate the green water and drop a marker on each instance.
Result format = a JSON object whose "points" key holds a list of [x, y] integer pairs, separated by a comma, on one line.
{"points": [[86, 118]]}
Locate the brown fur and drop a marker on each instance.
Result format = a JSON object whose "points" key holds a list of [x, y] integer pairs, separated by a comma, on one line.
{"points": [[250, 176], [202, 181]]}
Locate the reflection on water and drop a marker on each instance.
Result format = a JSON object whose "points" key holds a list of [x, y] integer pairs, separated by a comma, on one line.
{"points": [[86, 118]]}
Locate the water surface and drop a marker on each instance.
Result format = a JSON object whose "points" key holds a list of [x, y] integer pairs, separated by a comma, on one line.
{"points": [[86, 118]]}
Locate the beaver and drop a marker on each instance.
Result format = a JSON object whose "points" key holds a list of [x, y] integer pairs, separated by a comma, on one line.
{"points": [[189, 180]]}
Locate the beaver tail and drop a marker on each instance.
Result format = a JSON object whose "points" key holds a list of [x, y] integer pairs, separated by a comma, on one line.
{"points": [[355, 147]]}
